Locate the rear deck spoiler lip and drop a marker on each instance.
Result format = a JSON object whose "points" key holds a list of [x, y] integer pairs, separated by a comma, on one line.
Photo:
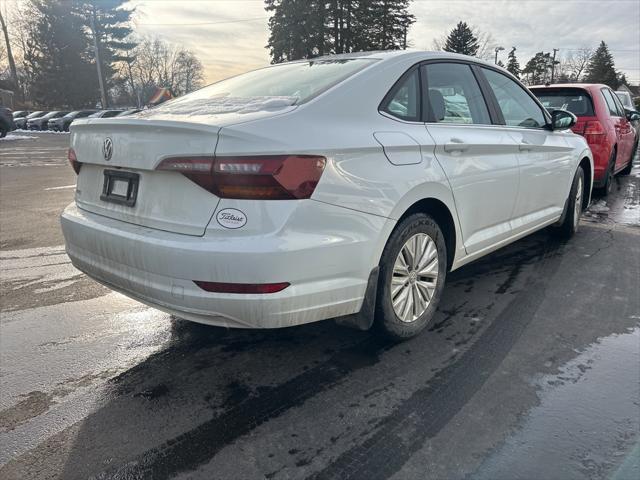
{"points": [[87, 124]]}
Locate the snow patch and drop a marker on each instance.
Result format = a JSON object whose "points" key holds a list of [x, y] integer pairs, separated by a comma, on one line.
{"points": [[11, 136], [599, 207]]}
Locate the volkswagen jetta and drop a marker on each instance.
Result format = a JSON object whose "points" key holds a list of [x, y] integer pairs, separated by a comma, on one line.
{"points": [[344, 186]]}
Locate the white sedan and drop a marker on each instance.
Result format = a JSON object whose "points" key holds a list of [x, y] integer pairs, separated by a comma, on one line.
{"points": [[344, 186]]}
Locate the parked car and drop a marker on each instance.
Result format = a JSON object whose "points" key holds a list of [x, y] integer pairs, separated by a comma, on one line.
{"points": [[629, 107], [21, 122], [61, 124], [602, 121], [42, 123], [129, 112], [334, 187], [106, 113], [6, 121], [20, 114]]}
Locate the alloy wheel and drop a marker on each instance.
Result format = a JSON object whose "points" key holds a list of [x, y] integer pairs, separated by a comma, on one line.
{"points": [[414, 278]]}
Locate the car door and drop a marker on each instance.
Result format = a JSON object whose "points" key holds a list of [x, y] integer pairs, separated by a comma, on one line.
{"points": [[479, 159], [625, 132], [544, 156]]}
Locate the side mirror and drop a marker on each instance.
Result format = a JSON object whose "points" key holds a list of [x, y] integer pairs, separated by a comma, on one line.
{"points": [[632, 115], [562, 120]]}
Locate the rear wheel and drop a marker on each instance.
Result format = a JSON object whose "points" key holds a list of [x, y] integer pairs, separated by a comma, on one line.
{"points": [[608, 181], [3, 132], [575, 204], [413, 268]]}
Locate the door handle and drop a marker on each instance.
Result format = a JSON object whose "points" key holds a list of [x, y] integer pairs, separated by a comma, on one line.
{"points": [[456, 145]]}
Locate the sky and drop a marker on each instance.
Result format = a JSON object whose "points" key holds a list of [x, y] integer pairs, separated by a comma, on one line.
{"points": [[229, 36]]}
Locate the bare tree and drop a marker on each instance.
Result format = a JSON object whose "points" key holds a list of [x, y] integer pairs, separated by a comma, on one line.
{"points": [[157, 63], [576, 63]]}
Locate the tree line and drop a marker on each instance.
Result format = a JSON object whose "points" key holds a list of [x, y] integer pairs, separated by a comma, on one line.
{"points": [[83, 53], [57, 44], [309, 28]]}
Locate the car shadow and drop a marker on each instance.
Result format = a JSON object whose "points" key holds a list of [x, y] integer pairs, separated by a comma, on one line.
{"points": [[209, 386]]}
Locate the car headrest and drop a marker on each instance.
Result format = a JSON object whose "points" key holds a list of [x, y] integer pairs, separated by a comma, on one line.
{"points": [[437, 104]]}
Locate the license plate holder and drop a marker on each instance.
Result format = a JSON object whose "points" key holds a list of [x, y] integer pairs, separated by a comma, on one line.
{"points": [[120, 187]]}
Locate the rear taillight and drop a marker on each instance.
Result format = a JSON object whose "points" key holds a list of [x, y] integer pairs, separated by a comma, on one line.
{"points": [[593, 127], [246, 288], [264, 177], [73, 161]]}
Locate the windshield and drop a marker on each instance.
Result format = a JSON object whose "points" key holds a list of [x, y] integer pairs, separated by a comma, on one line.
{"points": [[625, 98], [299, 81], [35, 114], [574, 100], [71, 114]]}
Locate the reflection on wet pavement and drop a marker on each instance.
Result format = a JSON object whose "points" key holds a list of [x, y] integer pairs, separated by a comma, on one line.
{"points": [[587, 422]]}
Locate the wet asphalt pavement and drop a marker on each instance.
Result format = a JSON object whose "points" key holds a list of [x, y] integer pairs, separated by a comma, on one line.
{"points": [[531, 369]]}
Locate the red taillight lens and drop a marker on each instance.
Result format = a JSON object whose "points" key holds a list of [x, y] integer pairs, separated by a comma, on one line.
{"points": [[73, 161], [217, 287], [594, 128], [265, 177]]}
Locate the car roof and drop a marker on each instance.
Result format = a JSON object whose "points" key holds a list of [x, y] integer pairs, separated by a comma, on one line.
{"points": [[387, 55], [583, 86]]}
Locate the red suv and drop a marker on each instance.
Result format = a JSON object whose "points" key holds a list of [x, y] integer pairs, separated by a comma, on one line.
{"points": [[603, 122]]}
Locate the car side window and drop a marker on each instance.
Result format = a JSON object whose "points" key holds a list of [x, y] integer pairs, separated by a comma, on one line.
{"points": [[611, 104], [454, 95], [618, 103], [403, 101], [518, 108]]}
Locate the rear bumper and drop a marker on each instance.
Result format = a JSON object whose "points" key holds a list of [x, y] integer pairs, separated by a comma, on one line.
{"points": [[328, 272]]}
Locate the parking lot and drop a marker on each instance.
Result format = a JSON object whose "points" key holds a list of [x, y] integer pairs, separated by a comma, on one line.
{"points": [[530, 368]]}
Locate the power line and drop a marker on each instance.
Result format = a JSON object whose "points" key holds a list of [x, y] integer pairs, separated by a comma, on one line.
{"points": [[208, 23]]}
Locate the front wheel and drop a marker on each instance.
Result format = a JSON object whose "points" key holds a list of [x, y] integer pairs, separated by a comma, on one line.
{"points": [[413, 268], [569, 225]]}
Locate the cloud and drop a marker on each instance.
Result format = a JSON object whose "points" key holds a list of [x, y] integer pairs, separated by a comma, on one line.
{"points": [[234, 39]]}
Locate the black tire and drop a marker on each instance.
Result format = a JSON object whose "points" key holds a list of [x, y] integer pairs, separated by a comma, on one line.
{"points": [[3, 132], [387, 321], [571, 217], [627, 170], [608, 182]]}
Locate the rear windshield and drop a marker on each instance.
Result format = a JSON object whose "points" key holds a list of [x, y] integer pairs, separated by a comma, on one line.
{"points": [[574, 100], [299, 81]]}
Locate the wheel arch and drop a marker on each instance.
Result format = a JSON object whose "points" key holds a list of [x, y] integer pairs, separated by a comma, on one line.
{"points": [[587, 167]]}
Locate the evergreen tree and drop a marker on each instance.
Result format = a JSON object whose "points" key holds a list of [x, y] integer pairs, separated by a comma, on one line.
{"points": [[512, 63], [462, 40], [537, 68], [109, 22], [308, 28], [601, 68], [56, 58]]}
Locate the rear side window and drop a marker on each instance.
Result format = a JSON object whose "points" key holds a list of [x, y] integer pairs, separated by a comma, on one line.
{"points": [[518, 108], [403, 100], [611, 104], [574, 100], [454, 95]]}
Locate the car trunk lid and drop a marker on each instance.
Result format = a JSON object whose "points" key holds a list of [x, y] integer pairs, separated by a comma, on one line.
{"points": [[165, 200]]}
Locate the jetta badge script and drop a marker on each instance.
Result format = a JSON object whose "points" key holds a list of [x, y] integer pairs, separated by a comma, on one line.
{"points": [[107, 149]]}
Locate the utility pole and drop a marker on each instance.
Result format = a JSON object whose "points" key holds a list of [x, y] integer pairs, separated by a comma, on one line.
{"points": [[103, 93], [497, 49], [12, 63], [553, 65]]}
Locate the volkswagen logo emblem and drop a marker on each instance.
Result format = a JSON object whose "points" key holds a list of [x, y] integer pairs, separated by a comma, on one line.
{"points": [[107, 149]]}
